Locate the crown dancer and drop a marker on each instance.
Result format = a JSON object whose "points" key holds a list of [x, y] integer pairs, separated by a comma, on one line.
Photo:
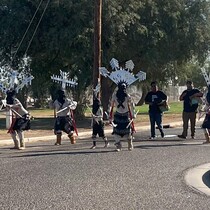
{"points": [[63, 108], [64, 118], [20, 120], [122, 118]]}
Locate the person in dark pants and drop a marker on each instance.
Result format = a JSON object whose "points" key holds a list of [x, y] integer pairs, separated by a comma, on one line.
{"points": [[190, 98], [155, 98], [98, 123]]}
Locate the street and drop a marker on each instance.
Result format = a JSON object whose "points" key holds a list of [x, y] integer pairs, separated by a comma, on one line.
{"points": [[150, 177]]}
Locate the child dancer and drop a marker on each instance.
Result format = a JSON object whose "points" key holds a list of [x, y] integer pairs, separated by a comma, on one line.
{"points": [[97, 123]]}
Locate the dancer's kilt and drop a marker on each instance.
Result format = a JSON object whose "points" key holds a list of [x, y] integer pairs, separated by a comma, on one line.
{"points": [[122, 121], [63, 123], [206, 122], [22, 124], [98, 128]]}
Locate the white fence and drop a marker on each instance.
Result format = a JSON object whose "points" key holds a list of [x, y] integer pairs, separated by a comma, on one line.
{"points": [[173, 92]]}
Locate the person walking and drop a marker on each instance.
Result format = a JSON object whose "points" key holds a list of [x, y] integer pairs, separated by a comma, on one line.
{"points": [[20, 120], [190, 98], [98, 123], [64, 121], [155, 98], [121, 119], [122, 105]]}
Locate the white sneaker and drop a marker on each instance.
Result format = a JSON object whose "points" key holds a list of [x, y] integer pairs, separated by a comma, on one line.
{"points": [[130, 145], [106, 144], [118, 147], [93, 147]]}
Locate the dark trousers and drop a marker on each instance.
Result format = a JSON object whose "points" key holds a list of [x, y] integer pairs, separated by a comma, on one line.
{"points": [[155, 118], [186, 117]]}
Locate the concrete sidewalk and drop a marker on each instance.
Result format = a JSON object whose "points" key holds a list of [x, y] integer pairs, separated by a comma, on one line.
{"points": [[198, 178]]}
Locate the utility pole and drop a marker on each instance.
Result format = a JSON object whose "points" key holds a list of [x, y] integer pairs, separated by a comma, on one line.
{"points": [[97, 43]]}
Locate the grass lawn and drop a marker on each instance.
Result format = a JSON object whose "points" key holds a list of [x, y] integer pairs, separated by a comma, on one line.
{"points": [[175, 108]]}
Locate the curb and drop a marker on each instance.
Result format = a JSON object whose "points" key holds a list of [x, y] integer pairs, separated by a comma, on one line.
{"points": [[198, 178]]}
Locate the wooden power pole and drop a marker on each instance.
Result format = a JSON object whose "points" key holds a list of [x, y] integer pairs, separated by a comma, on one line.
{"points": [[97, 43]]}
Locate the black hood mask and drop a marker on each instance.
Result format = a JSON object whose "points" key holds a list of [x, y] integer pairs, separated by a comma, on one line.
{"points": [[96, 105], [61, 96], [10, 99], [121, 94]]}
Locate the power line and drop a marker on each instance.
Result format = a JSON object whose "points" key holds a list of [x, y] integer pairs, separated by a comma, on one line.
{"points": [[40, 3], [27, 28], [37, 26]]}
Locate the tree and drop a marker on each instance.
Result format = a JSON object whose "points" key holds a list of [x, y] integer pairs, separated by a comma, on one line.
{"points": [[161, 37], [63, 40], [154, 34]]}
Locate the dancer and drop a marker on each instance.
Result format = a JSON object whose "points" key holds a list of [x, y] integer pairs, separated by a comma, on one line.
{"points": [[20, 120], [122, 119], [206, 122], [64, 117], [98, 123], [123, 116]]}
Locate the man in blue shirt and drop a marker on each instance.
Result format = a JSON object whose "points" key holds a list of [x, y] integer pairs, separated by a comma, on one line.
{"points": [[155, 98], [190, 98]]}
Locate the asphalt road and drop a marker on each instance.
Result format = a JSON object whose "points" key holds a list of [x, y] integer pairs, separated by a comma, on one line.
{"points": [[150, 177]]}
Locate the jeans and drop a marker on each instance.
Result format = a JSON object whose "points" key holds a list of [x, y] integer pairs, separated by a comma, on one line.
{"points": [[155, 118]]}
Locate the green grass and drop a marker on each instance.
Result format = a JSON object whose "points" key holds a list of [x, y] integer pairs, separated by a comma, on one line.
{"points": [[44, 118], [41, 112], [175, 108]]}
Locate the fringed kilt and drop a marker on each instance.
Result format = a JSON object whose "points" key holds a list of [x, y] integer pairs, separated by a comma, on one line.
{"points": [[22, 124], [206, 122], [121, 121], [98, 128], [63, 123]]}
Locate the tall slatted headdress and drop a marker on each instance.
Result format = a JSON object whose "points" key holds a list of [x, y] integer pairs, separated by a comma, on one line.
{"points": [[123, 75], [204, 106], [15, 79], [206, 76], [63, 80]]}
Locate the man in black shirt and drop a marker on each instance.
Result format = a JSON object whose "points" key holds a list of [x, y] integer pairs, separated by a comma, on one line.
{"points": [[155, 98], [190, 98]]}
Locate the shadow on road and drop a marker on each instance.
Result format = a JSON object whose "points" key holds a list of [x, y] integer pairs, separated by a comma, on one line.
{"points": [[163, 145], [50, 153]]}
